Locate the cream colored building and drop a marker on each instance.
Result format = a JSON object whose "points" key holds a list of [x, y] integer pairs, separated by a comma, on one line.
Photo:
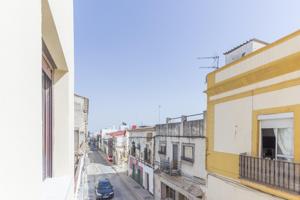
{"points": [[253, 123], [81, 112], [141, 156], [179, 165], [37, 100]]}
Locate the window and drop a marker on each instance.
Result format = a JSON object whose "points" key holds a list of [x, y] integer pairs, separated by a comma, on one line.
{"points": [[147, 154], [162, 148], [277, 140], [47, 117], [133, 148], [170, 193], [149, 137], [188, 152]]}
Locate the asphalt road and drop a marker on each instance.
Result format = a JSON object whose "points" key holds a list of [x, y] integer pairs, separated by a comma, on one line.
{"points": [[96, 168]]}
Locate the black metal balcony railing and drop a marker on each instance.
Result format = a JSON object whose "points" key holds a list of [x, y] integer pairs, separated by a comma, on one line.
{"points": [[275, 173], [170, 167]]}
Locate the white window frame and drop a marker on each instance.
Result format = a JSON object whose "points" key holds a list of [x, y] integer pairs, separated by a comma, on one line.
{"points": [[280, 116]]}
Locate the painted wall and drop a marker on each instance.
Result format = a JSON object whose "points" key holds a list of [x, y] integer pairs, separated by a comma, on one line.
{"points": [[279, 79], [21, 100], [145, 168], [81, 117], [279, 51], [232, 124], [61, 47], [149, 170], [233, 119], [140, 137], [227, 189], [237, 54], [197, 168]]}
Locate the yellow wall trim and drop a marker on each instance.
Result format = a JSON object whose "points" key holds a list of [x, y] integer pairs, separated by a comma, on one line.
{"points": [[210, 126], [270, 88], [211, 80], [225, 164], [277, 42], [270, 70], [269, 190]]}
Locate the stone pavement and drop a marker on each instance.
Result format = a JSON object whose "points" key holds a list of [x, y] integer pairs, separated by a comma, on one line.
{"points": [[136, 188]]}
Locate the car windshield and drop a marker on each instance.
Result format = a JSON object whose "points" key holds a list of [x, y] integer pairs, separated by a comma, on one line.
{"points": [[104, 185]]}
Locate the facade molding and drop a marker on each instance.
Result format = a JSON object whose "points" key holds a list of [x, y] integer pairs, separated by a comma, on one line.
{"points": [[270, 70]]}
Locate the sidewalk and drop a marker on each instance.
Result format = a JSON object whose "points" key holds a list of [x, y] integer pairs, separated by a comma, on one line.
{"points": [[137, 189]]}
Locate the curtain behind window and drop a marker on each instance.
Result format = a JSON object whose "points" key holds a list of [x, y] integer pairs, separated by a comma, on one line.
{"points": [[285, 142]]}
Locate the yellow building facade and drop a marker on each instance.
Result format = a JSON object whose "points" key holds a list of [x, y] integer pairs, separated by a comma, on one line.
{"points": [[253, 124]]}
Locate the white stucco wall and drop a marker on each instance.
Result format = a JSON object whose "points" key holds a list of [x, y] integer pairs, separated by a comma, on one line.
{"points": [[63, 92], [197, 168], [233, 126], [272, 81], [149, 170], [146, 169], [140, 138], [277, 98], [21, 100], [233, 119], [222, 189], [237, 54]]}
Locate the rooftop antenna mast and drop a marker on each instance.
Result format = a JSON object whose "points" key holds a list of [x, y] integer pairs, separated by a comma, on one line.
{"points": [[215, 62]]}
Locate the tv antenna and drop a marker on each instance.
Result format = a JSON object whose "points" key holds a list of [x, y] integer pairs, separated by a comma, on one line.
{"points": [[215, 64]]}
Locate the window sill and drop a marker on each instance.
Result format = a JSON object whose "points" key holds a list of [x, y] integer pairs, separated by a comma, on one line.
{"points": [[58, 188], [187, 159]]}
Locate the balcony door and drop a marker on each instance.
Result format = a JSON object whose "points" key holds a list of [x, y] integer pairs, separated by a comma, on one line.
{"points": [[47, 117], [175, 156], [277, 136]]}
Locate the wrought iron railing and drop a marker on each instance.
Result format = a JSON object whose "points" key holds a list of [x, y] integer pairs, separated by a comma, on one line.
{"points": [[170, 167], [275, 173]]}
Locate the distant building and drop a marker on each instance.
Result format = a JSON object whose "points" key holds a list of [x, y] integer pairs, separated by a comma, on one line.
{"points": [[180, 160], [141, 156], [104, 139], [118, 145], [253, 123], [81, 111]]}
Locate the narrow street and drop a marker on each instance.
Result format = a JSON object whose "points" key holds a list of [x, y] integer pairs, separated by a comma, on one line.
{"points": [[97, 167]]}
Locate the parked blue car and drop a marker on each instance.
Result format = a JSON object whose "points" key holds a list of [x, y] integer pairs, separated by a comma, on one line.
{"points": [[104, 190]]}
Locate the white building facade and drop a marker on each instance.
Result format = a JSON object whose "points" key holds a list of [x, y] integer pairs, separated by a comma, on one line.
{"points": [[141, 156], [118, 143], [81, 111], [180, 159], [37, 100]]}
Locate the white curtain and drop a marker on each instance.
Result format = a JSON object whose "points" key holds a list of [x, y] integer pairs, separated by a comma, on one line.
{"points": [[285, 142]]}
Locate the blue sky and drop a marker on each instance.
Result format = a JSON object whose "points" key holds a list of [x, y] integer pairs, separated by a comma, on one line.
{"points": [[133, 55]]}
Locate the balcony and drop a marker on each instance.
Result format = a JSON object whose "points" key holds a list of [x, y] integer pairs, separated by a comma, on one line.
{"points": [[274, 173], [170, 167]]}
